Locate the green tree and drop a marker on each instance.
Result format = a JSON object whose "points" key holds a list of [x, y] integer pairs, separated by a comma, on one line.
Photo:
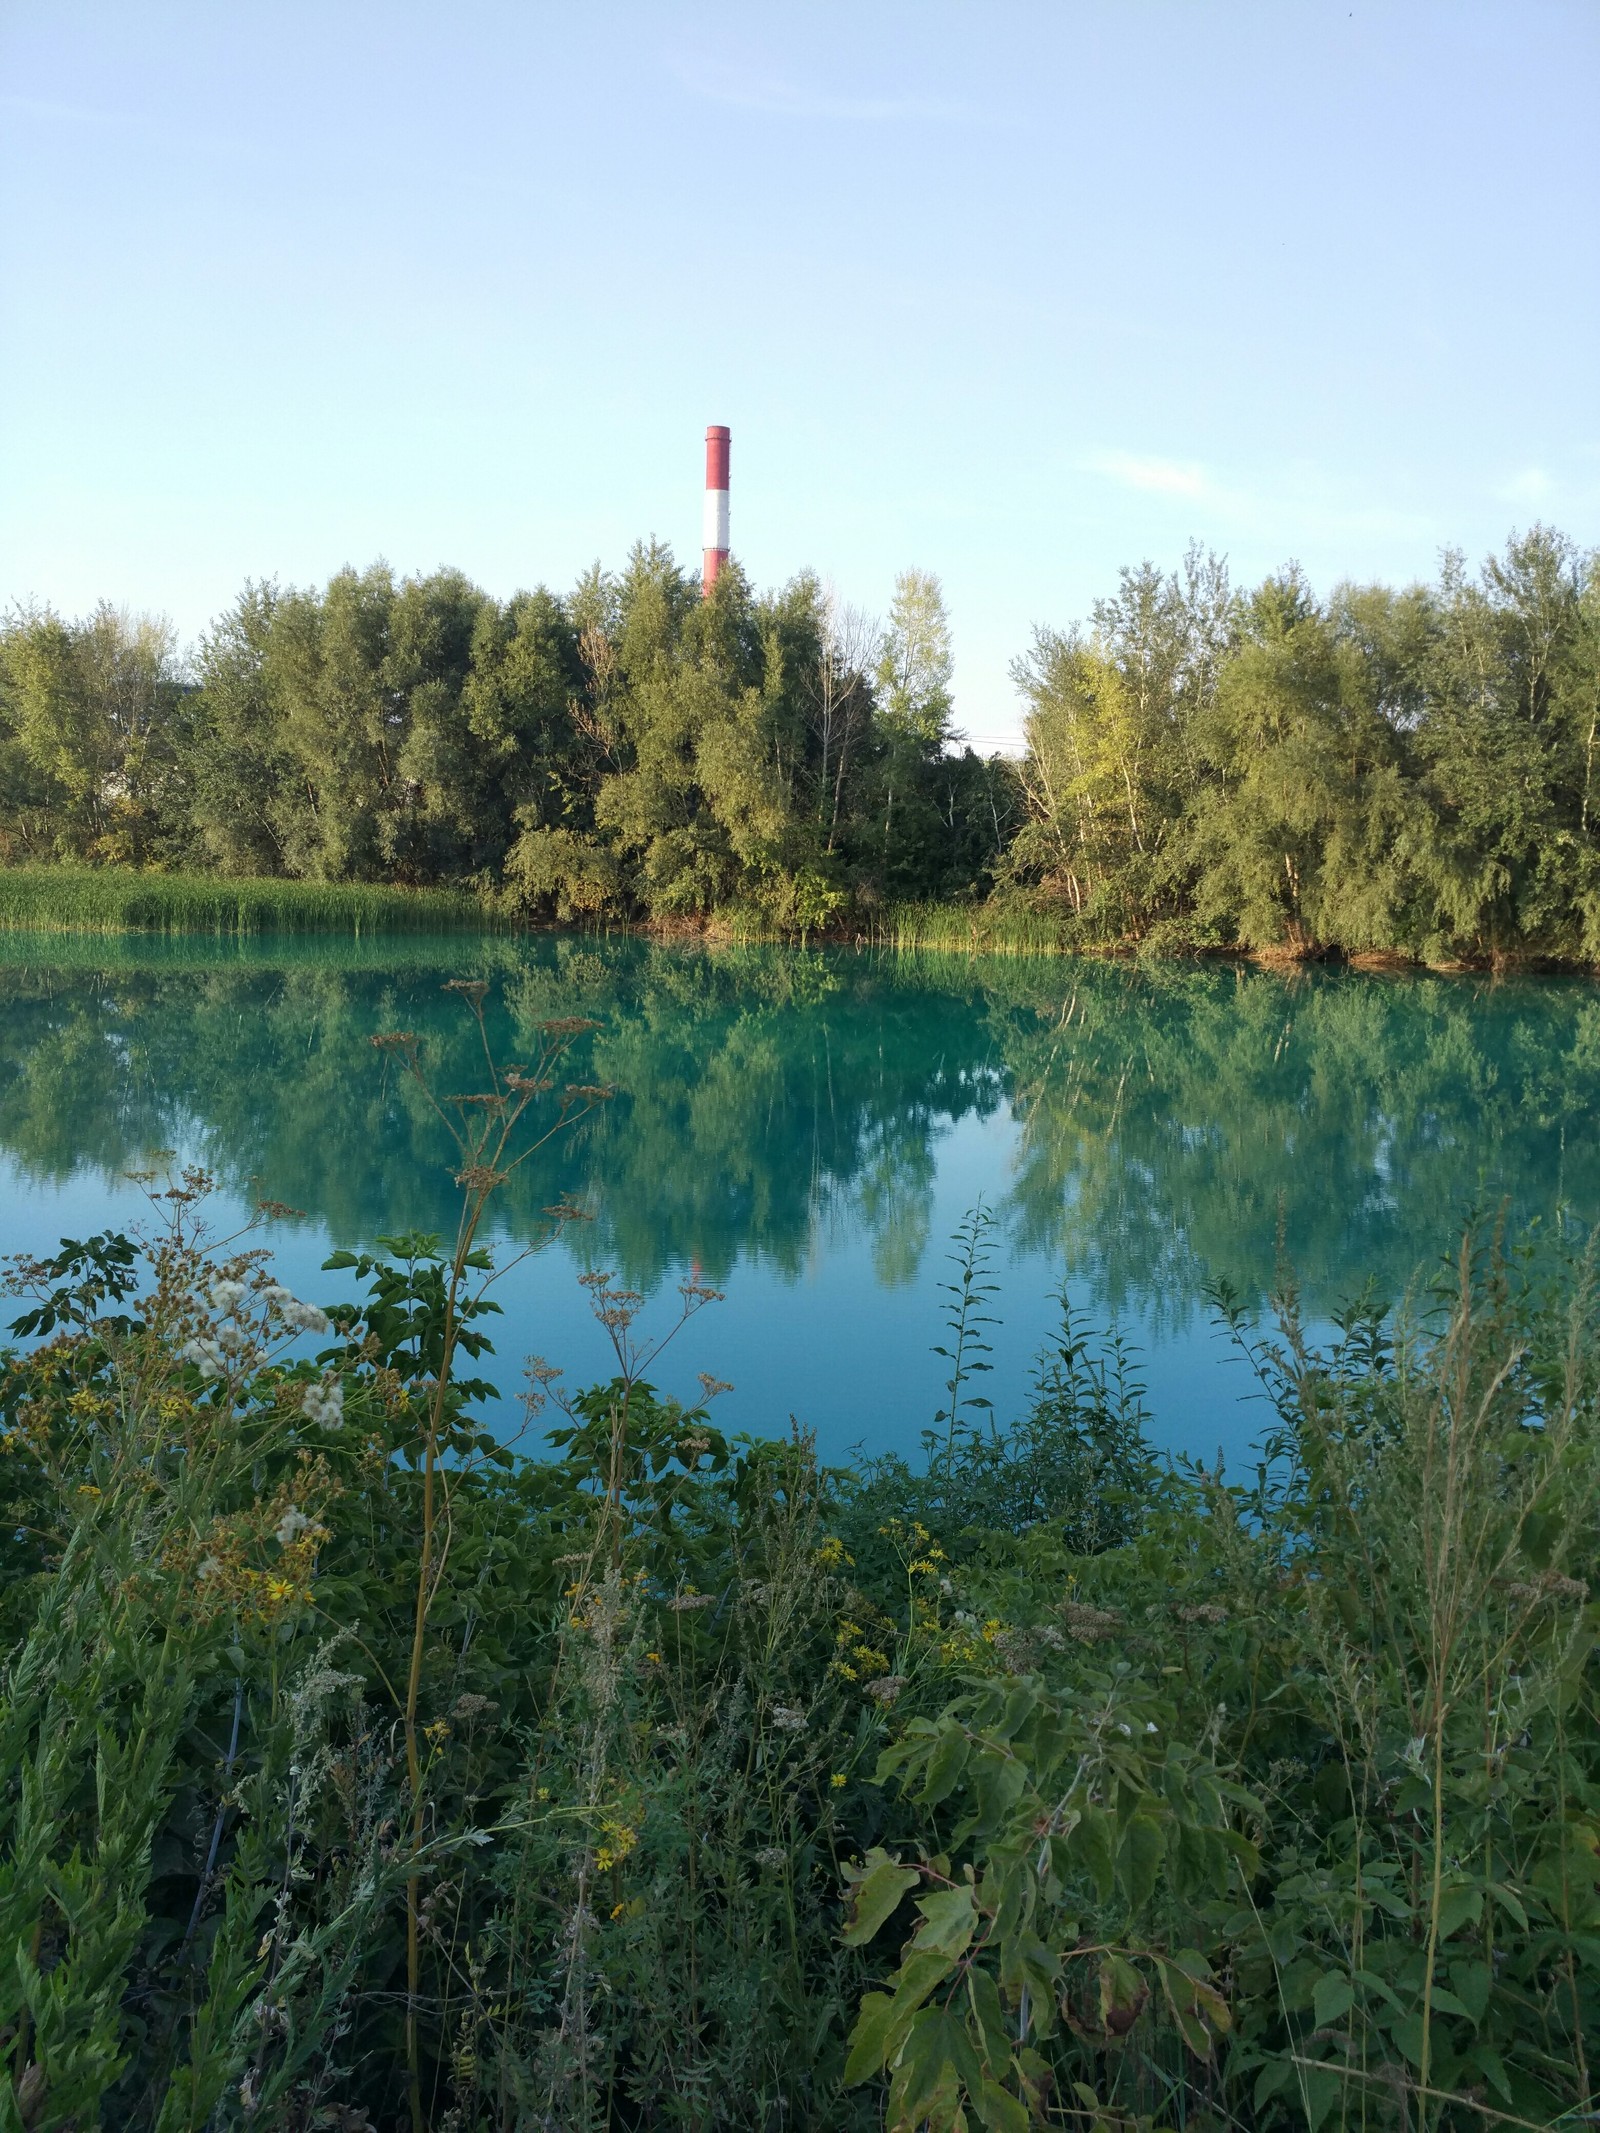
{"points": [[1303, 832], [94, 712], [252, 807], [1507, 742]]}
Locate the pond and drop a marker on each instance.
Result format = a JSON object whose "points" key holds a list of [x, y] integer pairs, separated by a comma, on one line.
{"points": [[806, 1130]]}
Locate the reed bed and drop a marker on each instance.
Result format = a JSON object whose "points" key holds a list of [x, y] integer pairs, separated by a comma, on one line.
{"points": [[995, 928], [111, 900]]}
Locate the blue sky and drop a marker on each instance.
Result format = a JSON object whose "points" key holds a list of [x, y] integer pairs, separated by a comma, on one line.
{"points": [[1014, 293]]}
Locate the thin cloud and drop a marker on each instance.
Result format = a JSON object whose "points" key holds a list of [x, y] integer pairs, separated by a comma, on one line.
{"points": [[721, 81], [1529, 485], [49, 108], [1302, 503], [1161, 477]]}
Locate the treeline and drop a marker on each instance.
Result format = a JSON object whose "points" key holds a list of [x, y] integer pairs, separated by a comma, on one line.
{"points": [[629, 749], [1379, 771]]}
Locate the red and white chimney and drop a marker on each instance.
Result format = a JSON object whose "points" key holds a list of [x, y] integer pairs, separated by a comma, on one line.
{"points": [[714, 544]]}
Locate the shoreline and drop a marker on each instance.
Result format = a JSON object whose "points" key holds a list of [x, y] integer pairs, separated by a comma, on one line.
{"points": [[115, 902]]}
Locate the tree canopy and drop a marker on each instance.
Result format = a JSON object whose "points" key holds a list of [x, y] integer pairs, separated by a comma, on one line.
{"points": [[1263, 768]]}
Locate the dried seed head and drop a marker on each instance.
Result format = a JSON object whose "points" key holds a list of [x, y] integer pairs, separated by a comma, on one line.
{"points": [[480, 1177], [1089, 1625]]}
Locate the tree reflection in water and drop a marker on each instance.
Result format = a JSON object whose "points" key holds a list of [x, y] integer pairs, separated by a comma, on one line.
{"points": [[1144, 1131]]}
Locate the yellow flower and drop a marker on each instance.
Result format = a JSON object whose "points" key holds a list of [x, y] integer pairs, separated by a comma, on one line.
{"points": [[280, 1588], [620, 1840], [838, 1781], [652, 1658], [87, 1488], [436, 1733]]}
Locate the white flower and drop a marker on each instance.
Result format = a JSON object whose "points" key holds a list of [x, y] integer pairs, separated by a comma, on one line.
{"points": [[787, 1719], [324, 1403], [293, 1523], [303, 1317], [207, 1354], [227, 1295], [208, 1568], [1152, 1727]]}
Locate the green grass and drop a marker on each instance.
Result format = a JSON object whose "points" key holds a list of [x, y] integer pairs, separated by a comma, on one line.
{"points": [[70, 899], [994, 928]]}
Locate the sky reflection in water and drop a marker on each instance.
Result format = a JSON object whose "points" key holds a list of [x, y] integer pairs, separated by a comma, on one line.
{"points": [[807, 1129]]}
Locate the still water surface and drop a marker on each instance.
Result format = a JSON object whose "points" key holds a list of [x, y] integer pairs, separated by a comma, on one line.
{"points": [[807, 1129]]}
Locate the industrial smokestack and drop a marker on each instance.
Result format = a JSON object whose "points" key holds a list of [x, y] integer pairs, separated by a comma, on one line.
{"points": [[715, 540]]}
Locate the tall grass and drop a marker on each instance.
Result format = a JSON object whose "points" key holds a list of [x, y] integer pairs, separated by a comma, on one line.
{"points": [[108, 900], [993, 928]]}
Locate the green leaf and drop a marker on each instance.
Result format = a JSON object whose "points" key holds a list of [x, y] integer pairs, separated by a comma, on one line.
{"points": [[1272, 2077], [1322, 2089], [923, 2072], [1445, 2002], [876, 1895], [1492, 2066], [1510, 1903], [869, 2040], [1332, 1998], [1458, 1906], [1092, 1838], [1180, 2000], [1140, 1860], [922, 1970], [949, 1920], [997, 1782], [984, 1996], [1474, 1982], [999, 2109], [945, 1765], [1407, 2033], [1123, 1993]]}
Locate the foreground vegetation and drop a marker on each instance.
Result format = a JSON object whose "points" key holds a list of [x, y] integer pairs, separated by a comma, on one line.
{"points": [[359, 1772], [1372, 772]]}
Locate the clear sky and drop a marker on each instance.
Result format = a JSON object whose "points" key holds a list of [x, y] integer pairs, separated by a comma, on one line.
{"points": [[1014, 293]]}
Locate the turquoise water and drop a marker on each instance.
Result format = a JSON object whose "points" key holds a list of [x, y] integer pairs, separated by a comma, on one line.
{"points": [[806, 1129]]}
